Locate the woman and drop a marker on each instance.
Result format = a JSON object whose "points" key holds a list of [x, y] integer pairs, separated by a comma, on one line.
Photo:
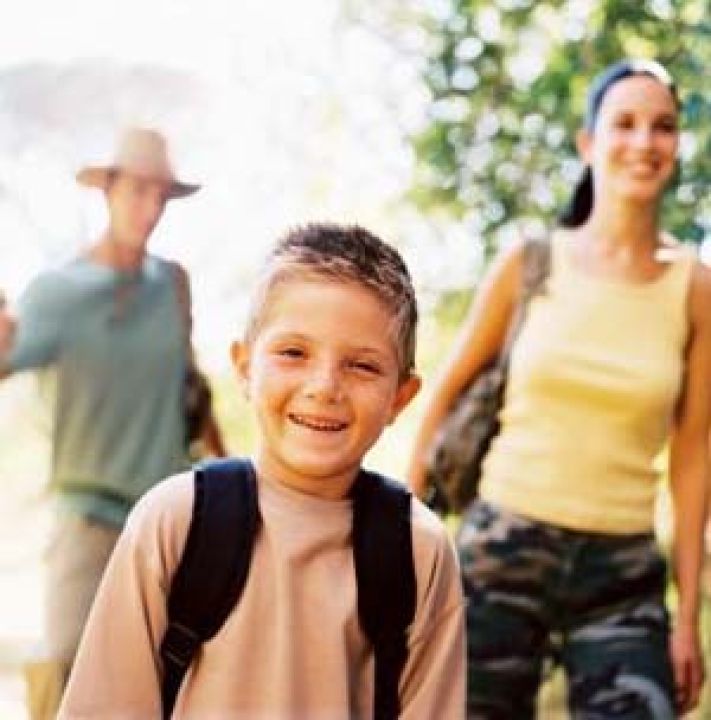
{"points": [[614, 359]]}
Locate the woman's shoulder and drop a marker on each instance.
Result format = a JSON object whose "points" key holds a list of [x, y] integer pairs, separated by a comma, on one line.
{"points": [[696, 274], [524, 250], [673, 250], [699, 298], [504, 274], [509, 257]]}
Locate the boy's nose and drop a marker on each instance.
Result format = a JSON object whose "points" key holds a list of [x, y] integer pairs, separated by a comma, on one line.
{"points": [[325, 384]]}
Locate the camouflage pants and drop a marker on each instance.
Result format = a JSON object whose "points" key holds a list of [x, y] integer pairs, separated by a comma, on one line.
{"points": [[594, 601]]}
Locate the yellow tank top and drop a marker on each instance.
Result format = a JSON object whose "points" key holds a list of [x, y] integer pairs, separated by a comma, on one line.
{"points": [[594, 378]]}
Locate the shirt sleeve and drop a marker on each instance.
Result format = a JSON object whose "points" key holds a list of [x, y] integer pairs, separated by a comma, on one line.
{"points": [[116, 673], [40, 324], [433, 683]]}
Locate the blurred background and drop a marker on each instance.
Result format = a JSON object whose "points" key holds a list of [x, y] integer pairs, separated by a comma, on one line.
{"points": [[444, 125]]}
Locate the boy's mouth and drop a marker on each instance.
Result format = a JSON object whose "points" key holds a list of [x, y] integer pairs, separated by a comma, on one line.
{"points": [[317, 423]]}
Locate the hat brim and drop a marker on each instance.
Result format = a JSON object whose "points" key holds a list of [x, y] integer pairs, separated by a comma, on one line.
{"points": [[98, 177]]}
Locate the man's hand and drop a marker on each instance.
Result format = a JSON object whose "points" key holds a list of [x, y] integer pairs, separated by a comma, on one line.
{"points": [[7, 327]]}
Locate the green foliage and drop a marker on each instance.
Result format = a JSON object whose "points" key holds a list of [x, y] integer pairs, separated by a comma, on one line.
{"points": [[452, 306], [507, 82]]}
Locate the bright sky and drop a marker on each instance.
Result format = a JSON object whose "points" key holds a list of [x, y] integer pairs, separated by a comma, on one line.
{"points": [[290, 114], [286, 112], [285, 119], [194, 34]]}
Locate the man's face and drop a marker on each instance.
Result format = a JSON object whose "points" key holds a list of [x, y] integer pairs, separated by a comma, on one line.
{"points": [[135, 206]]}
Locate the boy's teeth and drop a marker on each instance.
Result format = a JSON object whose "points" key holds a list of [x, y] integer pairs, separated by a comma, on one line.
{"points": [[318, 424]]}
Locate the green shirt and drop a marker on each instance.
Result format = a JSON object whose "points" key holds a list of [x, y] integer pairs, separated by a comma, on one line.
{"points": [[114, 341]]}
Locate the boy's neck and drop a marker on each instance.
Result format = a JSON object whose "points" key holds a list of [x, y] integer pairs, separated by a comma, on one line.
{"points": [[323, 487]]}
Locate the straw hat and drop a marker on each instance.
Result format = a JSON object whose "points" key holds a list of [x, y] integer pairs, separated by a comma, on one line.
{"points": [[142, 152]]}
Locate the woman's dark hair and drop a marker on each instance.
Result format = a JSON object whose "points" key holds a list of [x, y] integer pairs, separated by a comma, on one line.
{"points": [[580, 204]]}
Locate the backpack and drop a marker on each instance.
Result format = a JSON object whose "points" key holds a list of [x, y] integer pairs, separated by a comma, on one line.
{"points": [[455, 458], [215, 564]]}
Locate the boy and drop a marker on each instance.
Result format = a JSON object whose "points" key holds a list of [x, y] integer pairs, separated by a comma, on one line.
{"points": [[327, 362]]}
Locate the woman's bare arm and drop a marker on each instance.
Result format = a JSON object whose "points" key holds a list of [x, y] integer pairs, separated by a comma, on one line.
{"points": [[689, 480], [480, 339]]}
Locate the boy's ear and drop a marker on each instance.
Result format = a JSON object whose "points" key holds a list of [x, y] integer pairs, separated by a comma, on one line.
{"points": [[239, 352], [407, 390], [583, 143]]}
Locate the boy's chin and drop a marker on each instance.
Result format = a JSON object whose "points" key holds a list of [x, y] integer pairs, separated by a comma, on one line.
{"points": [[332, 487], [324, 473]]}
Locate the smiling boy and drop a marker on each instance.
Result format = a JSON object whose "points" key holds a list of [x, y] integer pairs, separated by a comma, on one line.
{"points": [[327, 362]]}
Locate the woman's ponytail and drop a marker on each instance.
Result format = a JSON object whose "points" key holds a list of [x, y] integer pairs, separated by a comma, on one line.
{"points": [[580, 205]]}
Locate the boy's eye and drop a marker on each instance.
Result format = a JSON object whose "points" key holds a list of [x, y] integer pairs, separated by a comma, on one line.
{"points": [[366, 366], [291, 352]]}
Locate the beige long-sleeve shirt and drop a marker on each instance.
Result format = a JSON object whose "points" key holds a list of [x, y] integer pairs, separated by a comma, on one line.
{"points": [[292, 649]]}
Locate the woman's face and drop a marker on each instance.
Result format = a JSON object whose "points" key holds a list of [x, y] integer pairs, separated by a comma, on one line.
{"points": [[633, 147]]}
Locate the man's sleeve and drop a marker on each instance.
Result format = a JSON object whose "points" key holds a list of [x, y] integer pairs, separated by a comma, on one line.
{"points": [[433, 683], [116, 673], [41, 322]]}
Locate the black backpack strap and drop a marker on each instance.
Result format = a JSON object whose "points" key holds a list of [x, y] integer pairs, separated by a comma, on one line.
{"points": [[385, 576], [213, 569]]}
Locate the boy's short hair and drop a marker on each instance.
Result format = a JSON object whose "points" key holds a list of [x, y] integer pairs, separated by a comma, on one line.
{"points": [[348, 254]]}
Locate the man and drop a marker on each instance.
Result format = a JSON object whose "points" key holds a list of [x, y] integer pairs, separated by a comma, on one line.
{"points": [[113, 325]]}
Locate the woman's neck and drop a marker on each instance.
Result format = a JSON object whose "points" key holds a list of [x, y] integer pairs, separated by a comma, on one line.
{"points": [[622, 226], [620, 241]]}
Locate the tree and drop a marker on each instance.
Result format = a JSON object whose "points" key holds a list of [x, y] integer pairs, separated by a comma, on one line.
{"points": [[507, 81]]}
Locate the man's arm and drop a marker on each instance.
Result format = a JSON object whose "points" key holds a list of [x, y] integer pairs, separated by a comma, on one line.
{"points": [[117, 673], [212, 437], [210, 434], [32, 337]]}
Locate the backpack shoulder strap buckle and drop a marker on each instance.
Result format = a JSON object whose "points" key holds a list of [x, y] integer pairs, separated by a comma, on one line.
{"points": [[179, 645]]}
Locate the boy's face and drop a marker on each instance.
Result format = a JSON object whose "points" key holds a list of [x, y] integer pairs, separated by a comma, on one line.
{"points": [[322, 374]]}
